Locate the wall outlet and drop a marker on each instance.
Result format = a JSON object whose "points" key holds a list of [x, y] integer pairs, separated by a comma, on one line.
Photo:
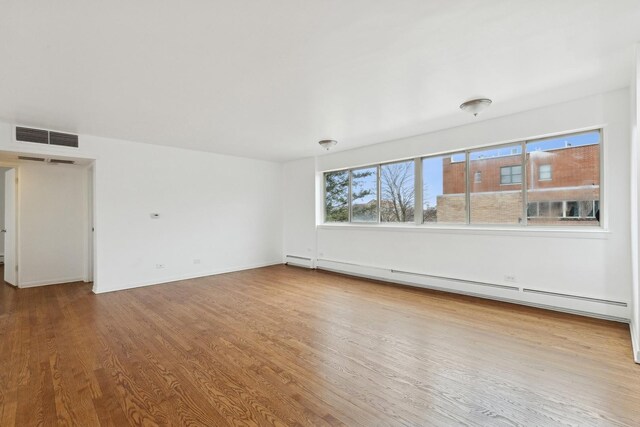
{"points": [[510, 278], [159, 266], [197, 261]]}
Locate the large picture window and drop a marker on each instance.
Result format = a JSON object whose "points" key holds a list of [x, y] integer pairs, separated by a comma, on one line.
{"points": [[397, 192], [444, 189], [364, 195], [336, 196], [539, 182], [498, 198], [569, 195]]}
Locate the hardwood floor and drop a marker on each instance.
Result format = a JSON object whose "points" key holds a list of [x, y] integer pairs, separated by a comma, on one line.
{"points": [[288, 346]]}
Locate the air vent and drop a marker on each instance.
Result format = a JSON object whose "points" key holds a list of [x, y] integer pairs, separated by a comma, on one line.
{"points": [[61, 162], [33, 159], [38, 136], [63, 139]]}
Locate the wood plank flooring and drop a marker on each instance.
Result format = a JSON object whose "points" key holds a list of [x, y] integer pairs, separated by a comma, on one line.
{"points": [[283, 346]]}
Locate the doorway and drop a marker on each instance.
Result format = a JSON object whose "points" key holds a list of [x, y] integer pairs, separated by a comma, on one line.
{"points": [[8, 240], [46, 220]]}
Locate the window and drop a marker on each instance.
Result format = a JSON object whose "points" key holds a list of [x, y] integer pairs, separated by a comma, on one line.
{"points": [[498, 198], [397, 192], [364, 195], [572, 195], [480, 186], [544, 173], [572, 210], [444, 189], [336, 196], [511, 175]]}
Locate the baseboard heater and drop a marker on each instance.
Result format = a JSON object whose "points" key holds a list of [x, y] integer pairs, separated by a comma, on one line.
{"points": [[454, 279], [430, 276], [487, 284], [578, 297], [298, 261]]}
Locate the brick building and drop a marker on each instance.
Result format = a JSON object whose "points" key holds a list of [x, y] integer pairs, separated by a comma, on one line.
{"points": [[563, 187]]}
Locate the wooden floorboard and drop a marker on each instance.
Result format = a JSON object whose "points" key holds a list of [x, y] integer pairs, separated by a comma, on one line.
{"points": [[282, 346]]}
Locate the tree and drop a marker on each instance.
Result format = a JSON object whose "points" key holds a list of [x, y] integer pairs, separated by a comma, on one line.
{"points": [[397, 182], [336, 200]]}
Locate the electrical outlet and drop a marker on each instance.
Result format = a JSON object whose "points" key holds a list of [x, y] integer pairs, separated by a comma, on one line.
{"points": [[159, 266], [510, 278], [197, 261]]}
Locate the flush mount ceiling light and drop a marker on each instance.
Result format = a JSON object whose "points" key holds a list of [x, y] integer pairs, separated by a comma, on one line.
{"points": [[327, 143], [475, 106]]}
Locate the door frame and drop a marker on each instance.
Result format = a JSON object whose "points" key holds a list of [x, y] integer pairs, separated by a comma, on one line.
{"points": [[90, 241], [16, 166]]}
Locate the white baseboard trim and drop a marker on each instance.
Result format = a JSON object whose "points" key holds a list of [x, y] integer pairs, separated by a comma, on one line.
{"points": [[513, 293], [36, 283], [635, 343], [97, 290]]}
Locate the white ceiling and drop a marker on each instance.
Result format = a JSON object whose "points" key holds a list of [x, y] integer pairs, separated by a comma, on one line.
{"points": [[268, 79]]}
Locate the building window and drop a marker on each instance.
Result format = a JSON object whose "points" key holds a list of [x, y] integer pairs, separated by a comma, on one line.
{"points": [[544, 173], [477, 177], [397, 192], [511, 175], [532, 209], [572, 210]]}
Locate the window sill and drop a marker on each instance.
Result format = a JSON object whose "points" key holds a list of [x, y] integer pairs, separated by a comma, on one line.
{"points": [[497, 230]]}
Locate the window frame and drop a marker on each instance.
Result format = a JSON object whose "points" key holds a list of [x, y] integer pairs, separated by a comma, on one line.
{"points": [[420, 160], [510, 175], [324, 197], [540, 178], [351, 220], [418, 189], [415, 191]]}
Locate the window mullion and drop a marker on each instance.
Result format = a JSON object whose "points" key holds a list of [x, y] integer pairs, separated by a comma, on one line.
{"points": [[350, 201], [378, 180], [524, 180], [467, 185], [418, 189]]}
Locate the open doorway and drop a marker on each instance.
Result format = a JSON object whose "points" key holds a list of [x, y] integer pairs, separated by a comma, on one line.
{"points": [[47, 224]]}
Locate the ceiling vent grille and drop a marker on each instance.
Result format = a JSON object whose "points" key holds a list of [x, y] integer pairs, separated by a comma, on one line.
{"points": [[63, 139], [33, 159], [40, 136], [61, 162]]}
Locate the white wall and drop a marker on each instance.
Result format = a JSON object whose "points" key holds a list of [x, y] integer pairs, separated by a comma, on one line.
{"points": [[217, 213], [52, 224], [299, 214], [635, 205], [593, 264]]}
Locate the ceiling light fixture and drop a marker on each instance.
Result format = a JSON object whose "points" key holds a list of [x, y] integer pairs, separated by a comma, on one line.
{"points": [[475, 106], [327, 143]]}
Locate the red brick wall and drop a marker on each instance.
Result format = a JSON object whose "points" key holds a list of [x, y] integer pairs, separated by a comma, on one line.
{"points": [[570, 167]]}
